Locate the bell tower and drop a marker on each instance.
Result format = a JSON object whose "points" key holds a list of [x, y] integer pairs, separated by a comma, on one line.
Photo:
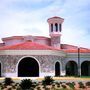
{"points": [[55, 28]]}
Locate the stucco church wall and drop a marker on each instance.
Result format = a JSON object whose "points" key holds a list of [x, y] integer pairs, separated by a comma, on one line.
{"points": [[2, 44], [74, 57], [13, 42], [47, 64], [44, 41], [37, 39]]}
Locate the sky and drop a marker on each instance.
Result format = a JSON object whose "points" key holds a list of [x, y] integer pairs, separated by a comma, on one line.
{"points": [[29, 17]]}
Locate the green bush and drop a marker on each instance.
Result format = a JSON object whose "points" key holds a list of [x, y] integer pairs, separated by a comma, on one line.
{"points": [[26, 84], [8, 81], [71, 85], [81, 85], [87, 83], [48, 80]]}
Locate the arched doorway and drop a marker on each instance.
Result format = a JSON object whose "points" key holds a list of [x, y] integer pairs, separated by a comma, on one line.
{"points": [[57, 69], [71, 68], [28, 67], [85, 68]]}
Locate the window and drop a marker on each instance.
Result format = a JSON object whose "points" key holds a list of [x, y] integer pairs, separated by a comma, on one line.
{"points": [[51, 27], [56, 27]]}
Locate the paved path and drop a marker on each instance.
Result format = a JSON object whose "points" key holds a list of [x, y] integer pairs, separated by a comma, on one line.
{"points": [[57, 79]]}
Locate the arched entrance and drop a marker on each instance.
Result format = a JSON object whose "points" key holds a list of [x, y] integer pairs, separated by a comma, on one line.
{"points": [[71, 69], [57, 69], [85, 68], [28, 67]]}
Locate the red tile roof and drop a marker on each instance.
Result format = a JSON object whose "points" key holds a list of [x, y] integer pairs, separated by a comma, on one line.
{"points": [[68, 46], [81, 50], [35, 46], [28, 46]]}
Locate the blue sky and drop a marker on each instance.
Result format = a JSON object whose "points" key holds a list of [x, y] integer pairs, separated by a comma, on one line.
{"points": [[29, 17]]}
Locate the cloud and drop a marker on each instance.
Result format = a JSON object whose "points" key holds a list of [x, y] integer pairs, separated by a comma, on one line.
{"points": [[20, 17]]}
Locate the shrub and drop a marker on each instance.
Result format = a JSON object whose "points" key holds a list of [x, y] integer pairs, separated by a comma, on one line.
{"points": [[26, 84], [87, 83], [64, 87], [71, 85], [38, 88], [48, 80], [8, 81], [81, 85]]}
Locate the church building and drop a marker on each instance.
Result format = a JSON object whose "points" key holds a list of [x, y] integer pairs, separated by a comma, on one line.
{"points": [[39, 56]]}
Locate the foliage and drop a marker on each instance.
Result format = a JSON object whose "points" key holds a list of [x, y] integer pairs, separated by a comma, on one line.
{"points": [[8, 81], [71, 85], [48, 80], [87, 83], [84, 76], [81, 85], [64, 87], [26, 84]]}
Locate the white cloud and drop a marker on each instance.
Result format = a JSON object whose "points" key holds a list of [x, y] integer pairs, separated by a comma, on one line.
{"points": [[16, 21]]}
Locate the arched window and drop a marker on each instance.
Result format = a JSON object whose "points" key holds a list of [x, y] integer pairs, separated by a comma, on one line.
{"points": [[60, 27], [51, 27], [56, 27], [57, 69]]}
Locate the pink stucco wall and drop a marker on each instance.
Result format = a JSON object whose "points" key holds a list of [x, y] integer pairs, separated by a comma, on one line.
{"points": [[66, 46], [2, 44], [43, 40], [17, 40], [13, 42]]}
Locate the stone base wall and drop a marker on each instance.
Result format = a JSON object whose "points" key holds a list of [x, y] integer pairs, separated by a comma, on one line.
{"points": [[9, 64]]}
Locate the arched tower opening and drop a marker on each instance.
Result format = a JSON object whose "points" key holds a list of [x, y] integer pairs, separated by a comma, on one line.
{"points": [[51, 27], [56, 27]]}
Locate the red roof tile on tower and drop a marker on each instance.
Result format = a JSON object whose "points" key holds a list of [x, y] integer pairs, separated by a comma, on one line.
{"points": [[28, 46], [55, 17]]}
